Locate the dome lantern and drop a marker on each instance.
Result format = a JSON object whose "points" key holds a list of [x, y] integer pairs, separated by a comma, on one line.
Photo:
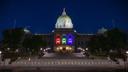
{"points": [[64, 12]]}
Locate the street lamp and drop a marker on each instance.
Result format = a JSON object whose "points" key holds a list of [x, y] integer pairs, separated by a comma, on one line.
{"points": [[29, 59], [41, 48], [0, 55], [83, 50], [57, 48], [86, 49], [0, 52], [61, 48], [67, 48], [126, 52], [8, 48], [44, 50], [17, 50]]}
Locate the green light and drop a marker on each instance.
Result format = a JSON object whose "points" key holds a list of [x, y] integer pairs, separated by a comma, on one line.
{"points": [[63, 40]]}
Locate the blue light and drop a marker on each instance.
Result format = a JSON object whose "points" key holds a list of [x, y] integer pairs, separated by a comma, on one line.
{"points": [[70, 39]]}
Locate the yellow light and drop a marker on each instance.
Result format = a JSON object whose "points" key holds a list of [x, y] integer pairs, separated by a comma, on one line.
{"points": [[70, 48], [29, 59], [126, 52], [61, 48], [57, 48], [67, 48], [0, 52]]}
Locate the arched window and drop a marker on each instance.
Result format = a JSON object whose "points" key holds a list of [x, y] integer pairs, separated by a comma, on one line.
{"points": [[57, 39], [64, 39], [70, 39]]}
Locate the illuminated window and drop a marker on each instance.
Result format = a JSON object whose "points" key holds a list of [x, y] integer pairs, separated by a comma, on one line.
{"points": [[63, 40], [58, 39], [70, 39]]}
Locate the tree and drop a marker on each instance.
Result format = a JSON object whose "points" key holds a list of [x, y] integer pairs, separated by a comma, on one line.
{"points": [[111, 40], [117, 39], [98, 44], [13, 38], [34, 42]]}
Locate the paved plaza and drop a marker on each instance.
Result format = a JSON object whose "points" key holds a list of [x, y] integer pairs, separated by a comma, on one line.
{"points": [[77, 63]]}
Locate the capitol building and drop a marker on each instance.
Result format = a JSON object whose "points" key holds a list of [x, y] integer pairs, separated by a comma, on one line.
{"points": [[64, 38]]}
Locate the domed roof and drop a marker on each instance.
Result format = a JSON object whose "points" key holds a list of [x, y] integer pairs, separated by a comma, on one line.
{"points": [[64, 21], [102, 30]]}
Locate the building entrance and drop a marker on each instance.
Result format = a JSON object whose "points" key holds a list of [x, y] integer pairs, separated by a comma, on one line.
{"points": [[64, 49]]}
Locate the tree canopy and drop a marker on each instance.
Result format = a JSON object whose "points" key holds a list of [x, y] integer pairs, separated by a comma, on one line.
{"points": [[113, 39]]}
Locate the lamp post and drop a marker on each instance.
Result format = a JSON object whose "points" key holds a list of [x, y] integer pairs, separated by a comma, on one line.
{"points": [[127, 52], [127, 55], [86, 49], [0, 52], [8, 49], [125, 62], [0, 56]]}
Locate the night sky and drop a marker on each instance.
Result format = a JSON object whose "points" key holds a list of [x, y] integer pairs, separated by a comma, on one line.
{"points": [[41, 15]]}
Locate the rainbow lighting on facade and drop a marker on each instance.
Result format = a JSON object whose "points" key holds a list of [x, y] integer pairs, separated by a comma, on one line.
{"points": [[65, 39]]}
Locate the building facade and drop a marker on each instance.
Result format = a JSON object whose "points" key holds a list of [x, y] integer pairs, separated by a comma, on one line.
{"points": [[64, 37]]}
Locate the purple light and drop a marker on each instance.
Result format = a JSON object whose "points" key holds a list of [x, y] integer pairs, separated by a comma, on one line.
{"points": [[70, 39]]}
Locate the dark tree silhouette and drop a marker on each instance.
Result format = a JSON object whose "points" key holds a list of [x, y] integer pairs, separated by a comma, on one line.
{"points": [[111, 40]]}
